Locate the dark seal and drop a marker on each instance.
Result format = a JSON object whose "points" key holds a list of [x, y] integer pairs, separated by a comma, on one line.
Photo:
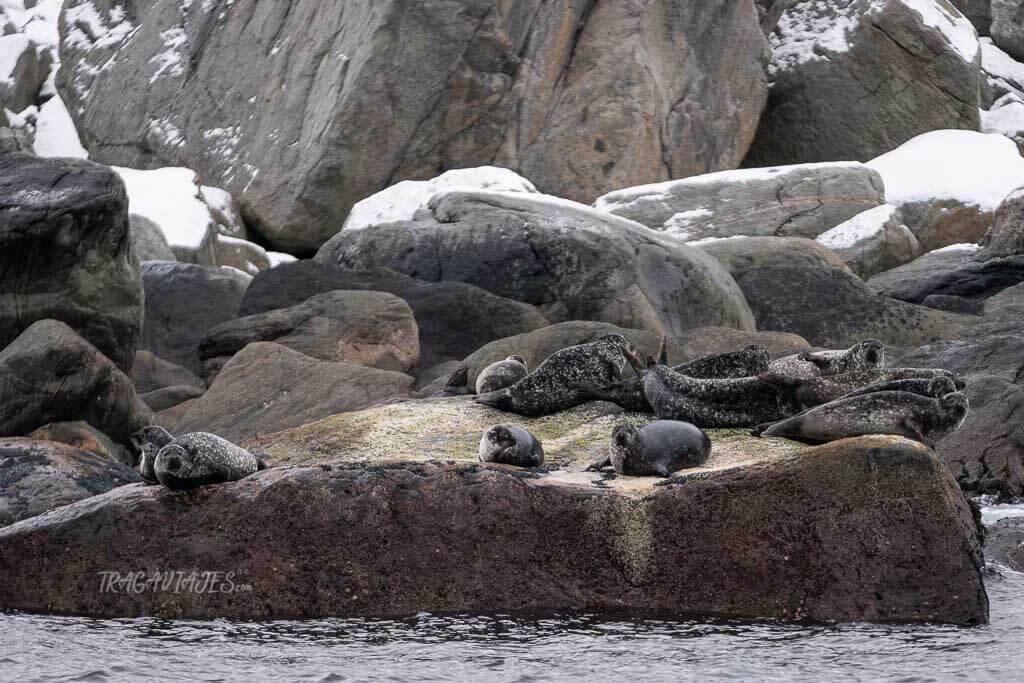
{"points": [[457, 384], [500, 375], [199, 459], [511, 445], [921, 418], [553, 386], [657, 449], [148, 441]]}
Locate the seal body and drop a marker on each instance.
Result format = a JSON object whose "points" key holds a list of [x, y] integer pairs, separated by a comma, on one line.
{"points": [[148, 441], [457, 384], [816, 391], [865, 355], [198, 459], [710, 403], [511, 445], [658, 449], [936, 387], [921, 418], [500, 375], [554, 385]]}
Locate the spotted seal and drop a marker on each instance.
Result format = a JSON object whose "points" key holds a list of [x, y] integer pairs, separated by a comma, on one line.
{"points": [[816, 391], [502, 374], [198, 459], [552, 387], [921, 418], [511, 445], [749, 361], [865, 355], [148, 441], [656, 449]]}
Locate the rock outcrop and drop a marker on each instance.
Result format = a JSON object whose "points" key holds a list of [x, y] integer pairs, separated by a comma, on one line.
{"points": [[873, 241], [1006, 236], [1004, 543], [1007, 28], [954, 271]]}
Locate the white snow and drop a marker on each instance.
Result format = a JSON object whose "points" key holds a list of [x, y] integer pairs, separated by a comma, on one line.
{"points": [[87, 29], [247, 247], [169, 197], [55, 132], [957, 28], [681, 222], [12, 47], [1006, 120], [279, 257], [975, 169], [169, 63], [401, 201], [997, 63], [861, 227], [963, 246]]}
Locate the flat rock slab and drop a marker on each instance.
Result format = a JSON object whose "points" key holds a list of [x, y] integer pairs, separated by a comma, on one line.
{"points": [[867, 529]]}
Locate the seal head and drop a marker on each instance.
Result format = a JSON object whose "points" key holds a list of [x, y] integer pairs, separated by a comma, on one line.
{"points": [[658, 449], [148, 441], [199, 459], [502, 374], [511, 445]]}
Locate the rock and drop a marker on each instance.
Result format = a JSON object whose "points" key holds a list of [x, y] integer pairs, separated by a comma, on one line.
{"points": [[36, 476], [952, 271], [740, 254], [571, 261], [168, 397], [454, 318], [873, 241], [444, 534], [1003, 75], [978, 12], [579, 98], [169, 418], [1007, 304], [434, 378], [693, 344], [84, 437], [985, 453], [1006, 236], [50, 374], [148, 241], [241, 254], [373, 329], [1004, 543], [151, 373], [1006, 117], [852, 79], [14, 139], [267, 387], [183, 301], [67, 254], [1007, 29], [23, 70], [804, 200], [948, 183], [954, 304]]}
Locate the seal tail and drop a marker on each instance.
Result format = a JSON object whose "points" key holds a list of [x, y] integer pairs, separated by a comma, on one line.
{"points": [[500, 399], [762, 429]]}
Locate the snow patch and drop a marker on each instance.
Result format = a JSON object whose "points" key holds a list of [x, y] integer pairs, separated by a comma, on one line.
{"points": [[861, 227], [957, 28], [55, 132], [811, 30], [997, 63], [12, 47], [279, 257], [88, 30], [170, 197], [1007, 120], [170, 62]]}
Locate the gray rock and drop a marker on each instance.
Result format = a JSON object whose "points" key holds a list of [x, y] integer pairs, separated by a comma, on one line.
{"points": [[895, 76], [873, 241], [804, 200], [1007, 29], [148, 241], [241, 254], [85, 437], [14, 139], [1006, 236], [1007, 304], [1001, 75], [954, 304], [160, 400], [1004, 543], [374, 329], [453, 318], [20, 88], [50, 374], [571, 261], [300, 109], [978, 12], [183, 301], [953, 272], [151, 373], [266, 388], [37, 476], [67, 254], [742, 254]]}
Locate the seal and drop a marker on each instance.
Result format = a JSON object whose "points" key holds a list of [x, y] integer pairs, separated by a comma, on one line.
{"points": [[749, 361], [148, 441], [657, 449], [552, 387], [457, 384], [865, 355], [921, 418], [199, 458], [816, 391], [511, 445], [502, 374], [709, 403]]}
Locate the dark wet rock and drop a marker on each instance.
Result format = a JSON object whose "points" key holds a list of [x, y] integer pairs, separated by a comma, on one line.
{"points": [[168, 397], [84, 437], [66, 253], [37, 476], [151, 373], [375, 329], [267, 387], [954, 272], [454, 318], [183, 301], [50, 374], [579, 97], [148, 241], [571, 261], [1004, 543], [954, 304]]}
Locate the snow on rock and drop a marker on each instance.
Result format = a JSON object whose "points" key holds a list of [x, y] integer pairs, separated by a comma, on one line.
{"points": [[279, 257], [170, 197], [957, 28], [55, 134], [873, 241], [401, 201], [1006, 118], [240, 254]]}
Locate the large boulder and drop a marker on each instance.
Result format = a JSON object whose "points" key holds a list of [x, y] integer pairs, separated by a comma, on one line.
{"points": [[267, 387], [804, 200], [571, 261], [320, 104], [873, 241], [65, 253], [953, 271], [453, 318], [50, 374], [151, 373], [949, 183], [866, 529], [375, 329], [1007, 29], [1006, 236], [148, 241], [183, 301], [978, 12], [740, 254], [37, 476], [852, 79]]}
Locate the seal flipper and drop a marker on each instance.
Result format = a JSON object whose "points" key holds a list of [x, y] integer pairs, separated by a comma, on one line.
{"points": [[500, 399], [599, 465]]}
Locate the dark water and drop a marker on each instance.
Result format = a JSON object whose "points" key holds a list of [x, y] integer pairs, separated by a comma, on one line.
{"points": [[569, 647]]}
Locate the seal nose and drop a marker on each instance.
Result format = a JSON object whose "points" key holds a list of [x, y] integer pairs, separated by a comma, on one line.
{"points": [[174, 463]]}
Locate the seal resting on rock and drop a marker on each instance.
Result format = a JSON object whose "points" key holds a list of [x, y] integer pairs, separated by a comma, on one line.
{"points": [[457, 384], [552, 387], [198, 459], [148, 441], [921, 418], [656, 449], [816, 391], [511, 445], [865, 355], [502, 374]]}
